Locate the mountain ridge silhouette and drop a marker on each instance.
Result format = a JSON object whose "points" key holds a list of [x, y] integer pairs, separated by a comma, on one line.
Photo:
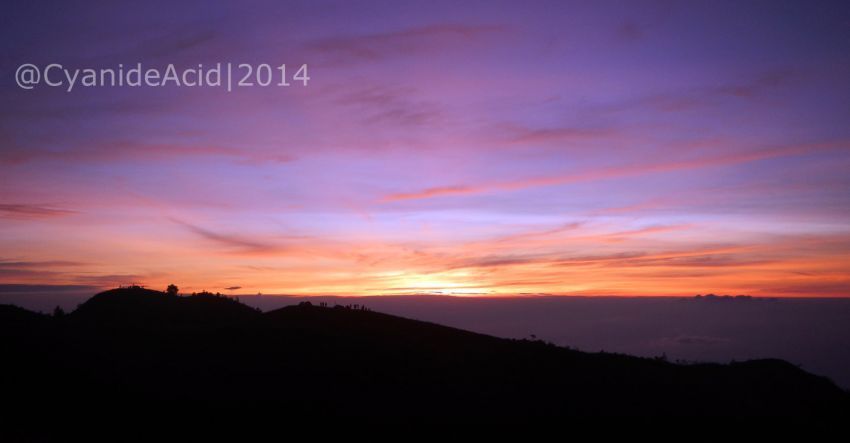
{"points": [[135, 348]]}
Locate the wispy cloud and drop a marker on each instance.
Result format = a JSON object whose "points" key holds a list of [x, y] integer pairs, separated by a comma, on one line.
{"points": [[406, 42], [232, 242], [44, 288], [380, 105], [19, 264], [117, 150], [631, 170], [32, 211], [695, 98]]}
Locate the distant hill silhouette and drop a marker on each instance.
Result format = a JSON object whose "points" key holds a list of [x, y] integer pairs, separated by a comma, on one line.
{"points": [[135, 349]]}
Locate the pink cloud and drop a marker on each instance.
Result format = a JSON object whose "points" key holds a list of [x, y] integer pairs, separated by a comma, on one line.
{"points": [[618, 172]]}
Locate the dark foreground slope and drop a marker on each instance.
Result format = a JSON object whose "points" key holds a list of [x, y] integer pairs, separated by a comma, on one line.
{"points": [[139, 350]]}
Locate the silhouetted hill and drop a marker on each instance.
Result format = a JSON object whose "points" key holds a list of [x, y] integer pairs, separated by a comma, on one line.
{"points": [[10, 314], [144, 307], [135, 350]]}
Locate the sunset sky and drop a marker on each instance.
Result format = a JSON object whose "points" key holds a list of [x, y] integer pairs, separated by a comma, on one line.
{"points": [[478, 148]]}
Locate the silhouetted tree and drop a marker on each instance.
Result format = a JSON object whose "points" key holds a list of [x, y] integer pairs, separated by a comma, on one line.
{"points": [[172, 289], [58, 312]]}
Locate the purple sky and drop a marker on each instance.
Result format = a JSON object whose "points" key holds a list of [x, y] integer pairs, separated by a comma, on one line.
{"points": [[560, 147]]}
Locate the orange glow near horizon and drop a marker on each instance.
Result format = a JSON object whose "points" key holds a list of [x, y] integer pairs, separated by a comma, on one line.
{"points": [[572, 259]]}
